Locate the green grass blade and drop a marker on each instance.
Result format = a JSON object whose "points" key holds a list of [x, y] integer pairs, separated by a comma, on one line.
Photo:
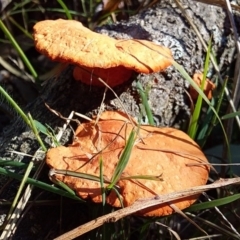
{"points": [[39, 184], [14, 105], [28, 120], [145, 103], [124, 158], [46, 130], [195, 86], [64, 186], [205, 124], [41, 128], [102, 182], [18, 49], [66, 10], [9, 163], [78, 175], [21, 4], [146, 177], [230, 115], [25, 32], [214, 117], [192, 131], [36, 133], [213, 203], [84, 8], [118, 195], [20, 189]]}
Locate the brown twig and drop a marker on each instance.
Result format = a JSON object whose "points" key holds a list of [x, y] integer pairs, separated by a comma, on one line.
{"points": [[143, 204]]}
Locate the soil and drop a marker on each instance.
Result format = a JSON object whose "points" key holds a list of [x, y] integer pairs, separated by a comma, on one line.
{"points": [[163, 24]]}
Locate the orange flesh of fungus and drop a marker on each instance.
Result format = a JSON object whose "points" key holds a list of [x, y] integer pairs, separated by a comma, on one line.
{"points": [[165, 152], [207, 89], [112, 76], [70, 42]]}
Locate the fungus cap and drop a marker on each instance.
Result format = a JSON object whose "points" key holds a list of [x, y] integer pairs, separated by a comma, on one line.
{"points": [[209, 86], [69, 41], [157, 151]]}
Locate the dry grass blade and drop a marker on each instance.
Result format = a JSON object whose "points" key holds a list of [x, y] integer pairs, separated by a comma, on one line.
{"points": [[70, 118], [220, 3], [211, 224], [13, 70], [11, 224], [204, 237], [143, 204], [120, 102], [222, 215], [236, 79], [170, 230], [180, 212]]}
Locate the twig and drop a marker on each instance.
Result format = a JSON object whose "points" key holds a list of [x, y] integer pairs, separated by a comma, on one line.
{"points": [[143, 204]]}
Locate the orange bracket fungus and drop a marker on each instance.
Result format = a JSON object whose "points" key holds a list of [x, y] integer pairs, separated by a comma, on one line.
{"points": [[208, 87], [96, 55], [167, 153]]}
